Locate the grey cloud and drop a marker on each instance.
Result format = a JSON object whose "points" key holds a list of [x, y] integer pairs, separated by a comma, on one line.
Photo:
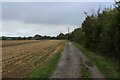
{"points": [[49, 13], [24, 29], [30, 18]]}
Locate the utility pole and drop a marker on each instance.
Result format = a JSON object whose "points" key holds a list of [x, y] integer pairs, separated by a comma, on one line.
{"points": [[68, 32]]}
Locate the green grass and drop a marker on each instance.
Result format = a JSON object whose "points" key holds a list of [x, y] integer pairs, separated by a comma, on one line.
{"points": [[46, 69], [106, 66], [84, 71]]}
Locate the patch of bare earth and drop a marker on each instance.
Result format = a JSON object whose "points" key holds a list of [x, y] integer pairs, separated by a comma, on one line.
{"points": [[19, 60], [69, 64]]}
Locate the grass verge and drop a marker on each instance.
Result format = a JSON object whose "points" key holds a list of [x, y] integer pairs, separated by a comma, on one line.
{"points": [[46, 69], [106, 66], [84, 71]]}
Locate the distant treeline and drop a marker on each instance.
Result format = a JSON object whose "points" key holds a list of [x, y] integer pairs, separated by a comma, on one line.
{"points": [[36, 37], [61, 36]]}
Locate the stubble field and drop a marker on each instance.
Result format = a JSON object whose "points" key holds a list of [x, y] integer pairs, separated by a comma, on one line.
{"points": [[19, 58]]}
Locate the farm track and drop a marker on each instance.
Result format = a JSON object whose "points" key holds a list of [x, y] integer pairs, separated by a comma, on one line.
{"points": [[19, 60], [70, 64]]}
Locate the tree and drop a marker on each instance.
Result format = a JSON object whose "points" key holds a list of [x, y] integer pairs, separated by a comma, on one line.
{"points": [[87, 27], [37, 37], [77, 35], [61, 36]]}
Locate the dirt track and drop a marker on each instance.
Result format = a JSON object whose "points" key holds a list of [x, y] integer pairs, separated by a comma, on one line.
{"points": [[69, 65]]}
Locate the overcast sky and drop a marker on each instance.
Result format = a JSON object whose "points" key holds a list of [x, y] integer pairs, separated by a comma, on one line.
{"points": [[44, 18]]}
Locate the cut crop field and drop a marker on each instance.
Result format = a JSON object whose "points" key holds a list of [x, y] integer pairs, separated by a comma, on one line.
{"points": [[19, 58]]}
